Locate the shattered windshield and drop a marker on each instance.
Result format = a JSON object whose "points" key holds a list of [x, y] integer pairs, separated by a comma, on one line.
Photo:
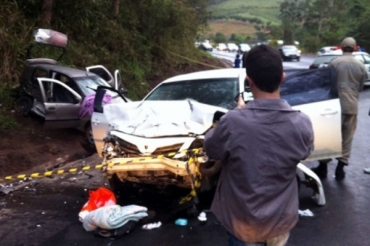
{"points": [[88, 85], [216, 92]]}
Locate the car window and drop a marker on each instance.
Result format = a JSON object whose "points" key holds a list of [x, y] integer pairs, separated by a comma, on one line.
{"points": [[57, 93], [88, 85], [360, 58], [309, 86], [216, 92], [289, 48], [324, 59], [366, 59], [40, 73]]}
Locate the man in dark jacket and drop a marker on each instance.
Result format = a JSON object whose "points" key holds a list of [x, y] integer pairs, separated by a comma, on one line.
{"points": [[260, 145], [351, 76]]}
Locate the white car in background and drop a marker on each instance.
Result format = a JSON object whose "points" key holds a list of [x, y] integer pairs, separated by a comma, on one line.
{"points": [[244, 48], [324, 60], [221, 47], [149, 141], [335, 50], [231, 47]]}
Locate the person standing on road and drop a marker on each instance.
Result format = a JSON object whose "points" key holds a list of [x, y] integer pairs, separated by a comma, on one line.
{"points": [[237, 61], [259, 144], [351, 76], [243, 59]]}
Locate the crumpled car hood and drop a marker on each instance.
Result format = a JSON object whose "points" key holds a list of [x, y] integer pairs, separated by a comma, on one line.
{"points": [[161, 118]]}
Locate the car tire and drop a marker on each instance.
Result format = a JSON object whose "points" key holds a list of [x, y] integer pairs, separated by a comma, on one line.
{"points": [[298, 59], [89, 138], [24, 105]]}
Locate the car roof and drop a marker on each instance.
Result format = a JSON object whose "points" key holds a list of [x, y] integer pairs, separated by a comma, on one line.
{"points": [[220, 73], [328, 47], [289, 46], [353, 53], [326, 58], [209, 74], [71, 72]]}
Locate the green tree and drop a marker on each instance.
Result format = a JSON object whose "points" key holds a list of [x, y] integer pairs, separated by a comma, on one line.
{"points": [[293, 16], [220, 38], [358, 19]]}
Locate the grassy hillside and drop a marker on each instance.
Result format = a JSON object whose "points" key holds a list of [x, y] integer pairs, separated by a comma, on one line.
{"points": [[228, 27], [224, 15]]}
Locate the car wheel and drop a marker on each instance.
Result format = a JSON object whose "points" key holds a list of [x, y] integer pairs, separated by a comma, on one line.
{"points": [[298, 59], [24, 105], [89, 137]]}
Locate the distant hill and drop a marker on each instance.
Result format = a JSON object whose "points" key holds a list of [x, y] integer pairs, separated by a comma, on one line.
{"points": [[231, 16]]}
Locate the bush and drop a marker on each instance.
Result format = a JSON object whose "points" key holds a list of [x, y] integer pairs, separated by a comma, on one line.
{"points": [[144, 36]]}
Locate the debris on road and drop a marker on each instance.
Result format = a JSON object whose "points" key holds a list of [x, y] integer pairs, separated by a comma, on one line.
{"points": [[6, 189], [202, 218], [151, 226], [181, 222], [306, 212], [113, 216]]}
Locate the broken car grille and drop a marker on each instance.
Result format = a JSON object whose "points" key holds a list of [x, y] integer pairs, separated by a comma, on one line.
{"points": [[167, 149]]}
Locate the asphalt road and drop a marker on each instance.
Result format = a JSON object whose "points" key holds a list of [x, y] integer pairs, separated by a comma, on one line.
{"points": [[44, 212], [305, 61]]}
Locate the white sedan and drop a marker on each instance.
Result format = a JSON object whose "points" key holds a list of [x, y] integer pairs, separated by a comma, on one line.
{"points": [[174, 116]]}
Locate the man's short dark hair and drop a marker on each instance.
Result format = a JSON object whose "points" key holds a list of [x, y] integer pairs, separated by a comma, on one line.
{"points": [[264, 67], [348, 49]]}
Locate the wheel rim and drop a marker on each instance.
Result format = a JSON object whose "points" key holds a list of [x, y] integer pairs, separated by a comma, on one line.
{"points": [[90, 136]]}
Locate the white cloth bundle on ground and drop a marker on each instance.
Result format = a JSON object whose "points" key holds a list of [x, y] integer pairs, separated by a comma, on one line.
{"points": [[113, 217]]}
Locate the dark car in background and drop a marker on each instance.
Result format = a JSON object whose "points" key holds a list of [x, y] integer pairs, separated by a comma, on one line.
{"points": [[322, 60], [290, 53]]}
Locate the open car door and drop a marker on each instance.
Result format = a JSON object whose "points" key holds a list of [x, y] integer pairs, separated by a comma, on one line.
{"points": [[314, 93], [61, 104], [99, 124], [118, 83], [103, 72]]}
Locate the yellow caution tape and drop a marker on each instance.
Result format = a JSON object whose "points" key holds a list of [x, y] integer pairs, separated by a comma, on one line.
{"points": [[88, 168], [195, 177]]}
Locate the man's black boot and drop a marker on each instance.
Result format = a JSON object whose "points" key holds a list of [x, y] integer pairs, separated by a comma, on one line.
{"points": [[339, 171], [321, 170]]}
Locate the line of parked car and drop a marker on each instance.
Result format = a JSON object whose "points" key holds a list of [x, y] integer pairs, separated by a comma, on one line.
{"points": [[287, 52], [228, 47]]}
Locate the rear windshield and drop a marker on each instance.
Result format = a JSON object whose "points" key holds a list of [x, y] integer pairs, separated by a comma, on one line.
{"points": [[323, 59], [216, 92]]}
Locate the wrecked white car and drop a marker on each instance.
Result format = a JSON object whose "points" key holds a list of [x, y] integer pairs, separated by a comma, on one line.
{"points": [[159, 140]]}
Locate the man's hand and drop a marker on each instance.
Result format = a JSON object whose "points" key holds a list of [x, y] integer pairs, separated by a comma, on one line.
{"points": [[241, 103]]}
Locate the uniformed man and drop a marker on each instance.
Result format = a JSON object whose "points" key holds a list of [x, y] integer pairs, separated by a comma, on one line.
{"points": [[351, 76]]}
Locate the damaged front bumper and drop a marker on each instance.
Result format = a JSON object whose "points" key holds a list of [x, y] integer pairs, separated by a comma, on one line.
{"points": [[177, 164], [174, 164]]}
